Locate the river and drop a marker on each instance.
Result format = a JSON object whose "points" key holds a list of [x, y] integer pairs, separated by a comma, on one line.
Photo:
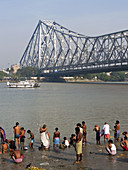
{"points": [[63, 105]]}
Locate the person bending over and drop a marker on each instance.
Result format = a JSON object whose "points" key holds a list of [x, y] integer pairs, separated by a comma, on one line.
{"points": [[11, 144], [124, 143], [16, 156], [111, 149]]}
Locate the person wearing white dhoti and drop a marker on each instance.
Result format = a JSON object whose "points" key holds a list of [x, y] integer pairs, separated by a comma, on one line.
{"points": [[44, 137]]}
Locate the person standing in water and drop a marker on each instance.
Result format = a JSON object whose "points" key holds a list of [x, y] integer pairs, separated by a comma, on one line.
{"points": [[17, 134], [84, 132], [3, 139], [45, 137], [32, 139], [106, 129], [97, 130], [78, 145], [56, 138], [117, 131], [22, 137]]}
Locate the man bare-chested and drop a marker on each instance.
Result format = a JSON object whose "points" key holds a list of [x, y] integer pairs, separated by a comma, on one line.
{"points": [[17, 134], [56, 138]]}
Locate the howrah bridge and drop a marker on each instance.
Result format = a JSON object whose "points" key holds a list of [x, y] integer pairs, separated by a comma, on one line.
{"points": [[56, 50]]}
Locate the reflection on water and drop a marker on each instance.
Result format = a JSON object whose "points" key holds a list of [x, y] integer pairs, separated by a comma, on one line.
{"points": [[63, 105]]}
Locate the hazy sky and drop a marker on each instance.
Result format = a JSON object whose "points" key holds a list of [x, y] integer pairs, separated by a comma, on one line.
{"points": [[18, 19]]}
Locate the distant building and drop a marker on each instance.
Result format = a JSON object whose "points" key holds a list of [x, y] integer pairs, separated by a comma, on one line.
{"points": [[5, 71], [109, 73], [15, 68]]}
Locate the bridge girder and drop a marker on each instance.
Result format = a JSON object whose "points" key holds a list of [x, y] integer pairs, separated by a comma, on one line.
{"points": [[56, 49]]}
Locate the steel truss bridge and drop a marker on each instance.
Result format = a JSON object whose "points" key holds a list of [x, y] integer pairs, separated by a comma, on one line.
{"points": [[57, 50]]}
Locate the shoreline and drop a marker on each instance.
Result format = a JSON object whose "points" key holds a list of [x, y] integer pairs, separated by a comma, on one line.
{"points": [[106, 83], [95, 157], [84, 82]]}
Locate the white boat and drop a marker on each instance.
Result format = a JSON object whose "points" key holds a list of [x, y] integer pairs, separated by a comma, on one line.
{"points": [[23, 84]]}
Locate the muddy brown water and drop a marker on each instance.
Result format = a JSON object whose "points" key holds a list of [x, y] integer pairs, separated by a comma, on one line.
{"points": [[63, 105]]}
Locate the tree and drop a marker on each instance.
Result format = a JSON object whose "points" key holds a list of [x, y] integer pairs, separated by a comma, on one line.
{"points": [[28, 72], [2, 74], [118, 76]]}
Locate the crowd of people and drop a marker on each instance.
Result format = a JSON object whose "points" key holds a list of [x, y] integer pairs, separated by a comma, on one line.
{"points": [[17, 144], [77, 140]]}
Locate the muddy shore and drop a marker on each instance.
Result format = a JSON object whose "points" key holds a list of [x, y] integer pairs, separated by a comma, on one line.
{"points": [[94, 158]]}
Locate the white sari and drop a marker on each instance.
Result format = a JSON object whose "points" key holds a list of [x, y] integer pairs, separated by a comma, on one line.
{"points": [[45, 139]]}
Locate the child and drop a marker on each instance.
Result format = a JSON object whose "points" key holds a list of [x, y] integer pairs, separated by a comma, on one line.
{"points": [[65, 143], [97, 130], [111, 149], [73, 140], [22, 136], [32, 139]]}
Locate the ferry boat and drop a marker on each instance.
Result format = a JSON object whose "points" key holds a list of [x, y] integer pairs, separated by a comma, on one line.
{"points": [[23, 84]]}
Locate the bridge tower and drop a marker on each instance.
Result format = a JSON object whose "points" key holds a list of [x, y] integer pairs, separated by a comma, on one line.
{"points": [[56, 49]]}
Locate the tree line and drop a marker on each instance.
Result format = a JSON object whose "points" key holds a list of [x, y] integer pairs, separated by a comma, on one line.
{"points": [[28, 72], [113, 76]]}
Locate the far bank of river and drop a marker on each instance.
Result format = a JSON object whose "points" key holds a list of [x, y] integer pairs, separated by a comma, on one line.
{"points": [[98, 82], [82, 81]]}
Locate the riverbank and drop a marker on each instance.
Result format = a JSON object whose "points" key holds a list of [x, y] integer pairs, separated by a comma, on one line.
{"points": [[94, 158], [98, 82], [85, 81]]}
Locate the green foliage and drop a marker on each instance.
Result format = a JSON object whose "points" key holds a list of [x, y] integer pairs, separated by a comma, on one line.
{"points": [[118, 76], [114, 76], [28, 72], [35, 72], [2, 74], [15, 77], [104, 77]]}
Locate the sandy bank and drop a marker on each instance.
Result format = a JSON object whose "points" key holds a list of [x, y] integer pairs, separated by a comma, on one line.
{"points": [[94, 157]]}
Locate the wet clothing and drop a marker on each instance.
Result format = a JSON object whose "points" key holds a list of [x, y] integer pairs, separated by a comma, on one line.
{"points": [[32, 140], [17, 135], [81, 130], [45, 139], [19, 160], [79, 147], [125, 148], [106, 129], [117, 134], [22, 138], [112, 151], [3, 138], [12, 144], [2, 141], [84, 133], [106, 136], [66, 143], [98, 135], [56, 140]]}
